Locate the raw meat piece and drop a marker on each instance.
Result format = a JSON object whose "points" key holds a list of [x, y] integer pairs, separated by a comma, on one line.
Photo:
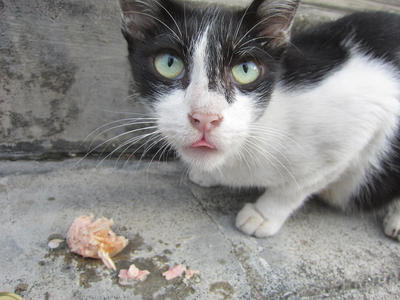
{"points": [[127, 277], [95, 239], [174, 272], [190, 273]]}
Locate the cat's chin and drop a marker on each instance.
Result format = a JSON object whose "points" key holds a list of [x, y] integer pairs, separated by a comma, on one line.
{"points": [[203, 158]]}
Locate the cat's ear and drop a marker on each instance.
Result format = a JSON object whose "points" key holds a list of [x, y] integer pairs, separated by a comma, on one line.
{"points": [[274, 19], [138, 17]]}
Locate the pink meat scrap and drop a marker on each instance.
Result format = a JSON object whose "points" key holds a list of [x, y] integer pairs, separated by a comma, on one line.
{"points": [[128, 277], [177, 271], [95, 239]]}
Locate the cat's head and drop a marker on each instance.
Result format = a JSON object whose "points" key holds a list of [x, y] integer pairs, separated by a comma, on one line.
{"points": [[206, 72]]}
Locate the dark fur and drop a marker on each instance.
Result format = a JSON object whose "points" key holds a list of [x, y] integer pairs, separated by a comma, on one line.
{"points": [[320, 50]]}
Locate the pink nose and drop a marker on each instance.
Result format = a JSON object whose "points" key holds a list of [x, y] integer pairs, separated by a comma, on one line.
{"points": [[205, 122]]}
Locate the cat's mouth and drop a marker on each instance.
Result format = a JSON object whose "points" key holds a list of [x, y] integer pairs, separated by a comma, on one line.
{"points": [[203, 144], [201, 147], [203, 153]]}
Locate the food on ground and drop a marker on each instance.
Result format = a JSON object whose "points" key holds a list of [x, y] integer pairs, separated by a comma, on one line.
{"points": [[190, 273], [128, 277], [95, 239], [177, 271], [174, 272], [55, 243]]}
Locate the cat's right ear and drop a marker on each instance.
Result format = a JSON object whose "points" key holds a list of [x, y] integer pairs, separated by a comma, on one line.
{"points": [[138, 17], [273, 19]]}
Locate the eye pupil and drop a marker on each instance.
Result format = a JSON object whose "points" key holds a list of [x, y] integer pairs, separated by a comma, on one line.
{"points": [[245, 68], [170, 61]]}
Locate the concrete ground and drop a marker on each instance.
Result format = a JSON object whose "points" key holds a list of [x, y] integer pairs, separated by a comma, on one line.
{"points": [[319, 253]]}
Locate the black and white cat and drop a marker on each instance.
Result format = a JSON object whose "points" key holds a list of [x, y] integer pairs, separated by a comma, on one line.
{"points": [[245, 104]]}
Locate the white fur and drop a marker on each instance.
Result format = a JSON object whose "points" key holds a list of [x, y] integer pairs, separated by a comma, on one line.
{"points": [[321, 139]]}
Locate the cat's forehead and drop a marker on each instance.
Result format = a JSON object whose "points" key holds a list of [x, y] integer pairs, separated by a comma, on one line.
{"points": [[222, 26], [209, 51], [217, 39]]}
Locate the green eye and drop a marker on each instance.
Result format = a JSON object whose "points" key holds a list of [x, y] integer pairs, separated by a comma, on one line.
{"points": [[245, 73], [169, 66]]}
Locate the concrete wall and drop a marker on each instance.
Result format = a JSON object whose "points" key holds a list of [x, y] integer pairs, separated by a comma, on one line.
{"points": [[63, 70]]}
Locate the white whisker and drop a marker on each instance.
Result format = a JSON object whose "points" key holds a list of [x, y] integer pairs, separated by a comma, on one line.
{"points": [[274, 132], [173, 19], [264, 151], [113, 138], [266, 155], [129, 141], [115, 127], [132, 142], [240, 23], [158, 134]]}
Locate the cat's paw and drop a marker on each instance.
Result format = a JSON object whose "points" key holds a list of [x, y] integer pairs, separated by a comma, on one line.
{"points": [[391, 225], [251, 222], [201, 179]]}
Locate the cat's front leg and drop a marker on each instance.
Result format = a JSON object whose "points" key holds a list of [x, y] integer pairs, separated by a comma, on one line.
{"points": [[266, 216], [201, 178]]}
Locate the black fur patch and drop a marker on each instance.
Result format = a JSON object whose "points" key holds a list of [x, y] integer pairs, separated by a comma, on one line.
{"points": [[316, 53]]}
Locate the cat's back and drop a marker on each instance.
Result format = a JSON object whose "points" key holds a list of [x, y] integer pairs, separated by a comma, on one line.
{"points": [[315, 52]]}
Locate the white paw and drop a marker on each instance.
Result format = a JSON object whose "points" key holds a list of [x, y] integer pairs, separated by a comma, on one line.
{"points": [[391, 225], [201, 179], [251, 222]]}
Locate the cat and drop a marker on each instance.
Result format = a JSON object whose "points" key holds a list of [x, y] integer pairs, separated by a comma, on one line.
{"points": [[245, 103]]}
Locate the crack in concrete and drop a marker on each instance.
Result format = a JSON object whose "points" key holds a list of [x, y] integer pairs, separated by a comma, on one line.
{"points": [[253, 278]]}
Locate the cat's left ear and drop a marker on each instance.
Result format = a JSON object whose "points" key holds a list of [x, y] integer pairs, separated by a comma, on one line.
{"points": [[138, 17], [274, 19]]}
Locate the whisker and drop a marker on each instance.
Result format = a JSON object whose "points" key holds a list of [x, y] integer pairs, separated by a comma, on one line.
{"points": [[129, 141], [240, 23], [113, 138], [265, 156], [165, 152], [262, 151], [154, 156], [184, 19], [254, 39], [122, 112], [132, 142], [185, 174], [243, 158], [115, 127], [274, 132], [258, 24], [152, 145], [266, 144], [173, 19], [143, 145], [161, 150]]}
